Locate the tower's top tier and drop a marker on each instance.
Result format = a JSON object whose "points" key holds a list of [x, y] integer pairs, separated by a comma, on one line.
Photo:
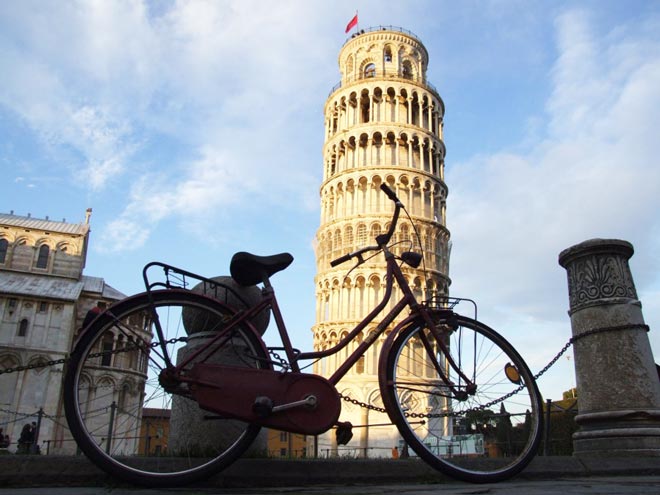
{"points": [[383, 52]]}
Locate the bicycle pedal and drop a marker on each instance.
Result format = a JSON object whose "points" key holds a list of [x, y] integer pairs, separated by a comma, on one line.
{"points": [[344, 433], [262, 407]]}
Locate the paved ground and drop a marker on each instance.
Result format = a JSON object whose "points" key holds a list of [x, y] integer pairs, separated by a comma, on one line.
{"points": [[52, 475], [619, 485]]}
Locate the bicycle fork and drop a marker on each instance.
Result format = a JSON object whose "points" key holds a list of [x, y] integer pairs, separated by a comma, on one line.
{"points": [[459, 392]]}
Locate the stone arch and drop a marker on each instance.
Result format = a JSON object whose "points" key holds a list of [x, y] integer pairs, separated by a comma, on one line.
{"points": [[337, 243], [374, 397], [65, 247], [9, 381], [377, 158], [368, 63], [126, 390], [363, 192], [21, 240], [408, 69], [351, 393], [4, 248], [348, 237], [361, 235], [387, 53], [350, 67], [375, 230]]}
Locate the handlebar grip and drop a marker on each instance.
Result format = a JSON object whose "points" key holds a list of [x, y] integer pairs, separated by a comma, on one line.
{"points": [[340, 260], [389, 192]]}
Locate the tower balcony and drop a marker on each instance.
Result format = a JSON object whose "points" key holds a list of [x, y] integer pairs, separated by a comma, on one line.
{"points": [[388, 75]]}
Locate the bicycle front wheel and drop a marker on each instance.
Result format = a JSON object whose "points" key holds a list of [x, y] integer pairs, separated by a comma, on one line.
{"points": [[141, 429], [480, 435]]}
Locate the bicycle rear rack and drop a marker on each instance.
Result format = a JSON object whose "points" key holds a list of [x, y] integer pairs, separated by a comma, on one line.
{"points": [[176, 278], [439, 302]]}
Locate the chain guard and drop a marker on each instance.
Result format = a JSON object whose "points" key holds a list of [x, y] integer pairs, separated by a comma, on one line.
{"points": [[239, 393]]}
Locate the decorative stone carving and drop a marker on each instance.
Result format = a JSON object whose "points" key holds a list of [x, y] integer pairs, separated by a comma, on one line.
{"points": [[596, 276]]}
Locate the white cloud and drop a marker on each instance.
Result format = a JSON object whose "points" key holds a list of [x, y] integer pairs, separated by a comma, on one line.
{"points": [[120, 233], [592, 173], [109, 82]]}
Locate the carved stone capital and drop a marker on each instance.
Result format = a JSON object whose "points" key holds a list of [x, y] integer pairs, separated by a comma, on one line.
{"points": [[598, 273]]}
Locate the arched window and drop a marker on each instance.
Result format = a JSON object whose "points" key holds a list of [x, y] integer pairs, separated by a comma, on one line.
{"points": [[370, 70], [42, 259], [8, 381], [361, 235], [107, 345], [388, 54], [359, 366], [4, 247], [375, 231], [23, 327], [348, 239], [123, 397], [406, 70]]}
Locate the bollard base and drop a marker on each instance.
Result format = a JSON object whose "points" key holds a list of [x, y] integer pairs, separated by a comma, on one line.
{"points": [[618, 434]]}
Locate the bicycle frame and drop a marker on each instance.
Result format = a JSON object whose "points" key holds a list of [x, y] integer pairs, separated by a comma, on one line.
{"points": [[269, 303]]}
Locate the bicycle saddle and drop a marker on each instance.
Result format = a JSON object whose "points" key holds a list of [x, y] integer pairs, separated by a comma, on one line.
{"points": [[250, 269]]}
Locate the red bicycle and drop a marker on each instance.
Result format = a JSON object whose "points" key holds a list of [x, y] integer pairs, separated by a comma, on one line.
{"points": [[194, 361]]}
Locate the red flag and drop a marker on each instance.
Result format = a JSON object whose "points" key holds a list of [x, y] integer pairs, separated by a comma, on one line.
{"points": [[352, 23]]}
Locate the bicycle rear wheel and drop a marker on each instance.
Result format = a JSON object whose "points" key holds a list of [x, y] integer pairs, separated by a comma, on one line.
{"points": [[486, 436], [124, 419]]}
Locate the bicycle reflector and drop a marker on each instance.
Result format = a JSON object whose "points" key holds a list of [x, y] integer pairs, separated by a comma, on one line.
{"points": [[512, 373]]}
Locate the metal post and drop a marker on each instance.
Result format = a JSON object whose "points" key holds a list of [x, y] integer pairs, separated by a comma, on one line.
{"points": [[147, 440], [113, 406], [546, 428], [35, 442]]}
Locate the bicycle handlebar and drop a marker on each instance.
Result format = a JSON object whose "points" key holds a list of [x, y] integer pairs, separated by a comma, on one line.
{"points": [[390, 194], [382, 239], [341, 259]]}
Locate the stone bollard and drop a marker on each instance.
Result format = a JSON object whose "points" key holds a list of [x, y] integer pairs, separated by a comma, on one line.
{"points": [[617, 382], [190, 428]]}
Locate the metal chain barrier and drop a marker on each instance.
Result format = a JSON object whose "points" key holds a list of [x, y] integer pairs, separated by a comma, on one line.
{"points": [[371, 407], [128, 348], [482, 407], [365, 405]]}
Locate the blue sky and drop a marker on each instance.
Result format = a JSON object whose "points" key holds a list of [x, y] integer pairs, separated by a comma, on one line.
{"points": [[194, 130]]}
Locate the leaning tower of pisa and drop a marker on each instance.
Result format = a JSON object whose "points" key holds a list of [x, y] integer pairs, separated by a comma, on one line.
{"points": [[383, 123]]}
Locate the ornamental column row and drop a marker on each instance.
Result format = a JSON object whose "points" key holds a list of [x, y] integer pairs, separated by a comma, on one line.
{"points": [[420, 201], [344, 117], [430, 160]]}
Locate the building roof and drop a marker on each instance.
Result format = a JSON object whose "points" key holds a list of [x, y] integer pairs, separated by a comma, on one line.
{"points": [[98, 285], [43, 224], [152, 412], [65, 289], [27, 284]]}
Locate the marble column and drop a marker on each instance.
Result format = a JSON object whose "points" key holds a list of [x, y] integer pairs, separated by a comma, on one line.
{"points": [[617, 382]]}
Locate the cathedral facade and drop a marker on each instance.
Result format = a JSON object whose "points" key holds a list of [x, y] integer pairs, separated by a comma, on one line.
{"points": [[383, 124], [44, 298]]}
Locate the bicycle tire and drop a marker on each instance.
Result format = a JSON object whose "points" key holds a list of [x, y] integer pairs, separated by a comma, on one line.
{"points": [[488, 436], [99, 372]]}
